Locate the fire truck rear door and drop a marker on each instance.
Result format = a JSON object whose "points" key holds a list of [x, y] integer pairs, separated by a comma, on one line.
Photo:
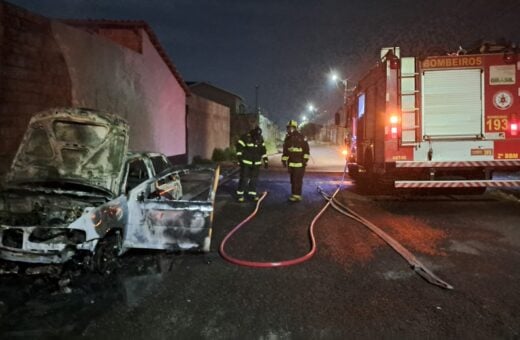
{"points": [[452, 103]]}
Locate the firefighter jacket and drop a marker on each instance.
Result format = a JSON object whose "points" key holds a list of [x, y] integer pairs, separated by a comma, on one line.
{"points": [[250, 150], [295, 150]]}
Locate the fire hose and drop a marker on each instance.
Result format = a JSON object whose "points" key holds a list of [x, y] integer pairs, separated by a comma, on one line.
{"points": [[414, 263], [284, 263]]}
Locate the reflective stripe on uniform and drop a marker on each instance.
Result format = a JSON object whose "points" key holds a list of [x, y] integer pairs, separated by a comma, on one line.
{"points": [[250, 144], [295, 149], [258, 163], [284, 158], [245, 161], [239, 153], [241, 142], [306, 156], [251, 192], [240, 192], [295, 165]]}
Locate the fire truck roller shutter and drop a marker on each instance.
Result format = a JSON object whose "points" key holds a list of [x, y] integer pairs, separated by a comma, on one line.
{"points": [[452, 103]]}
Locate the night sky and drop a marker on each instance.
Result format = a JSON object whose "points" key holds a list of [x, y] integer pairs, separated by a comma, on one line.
{"points": [[288, 47]]}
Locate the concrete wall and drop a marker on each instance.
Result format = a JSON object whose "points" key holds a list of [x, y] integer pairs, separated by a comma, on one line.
{"points": [[240, 121], [208, 127], [45, 63], [137, 86], [333, 133], [216, 94]]}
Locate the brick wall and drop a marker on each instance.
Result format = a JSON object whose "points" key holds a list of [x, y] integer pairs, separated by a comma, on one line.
{"points": [[132, 39], [33, 75]]}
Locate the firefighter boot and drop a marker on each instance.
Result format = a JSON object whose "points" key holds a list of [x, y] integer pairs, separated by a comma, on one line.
{"points": [[295, 198], [252, 195]]}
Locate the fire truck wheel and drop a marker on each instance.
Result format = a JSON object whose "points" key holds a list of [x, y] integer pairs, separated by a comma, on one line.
{"points": [[353, 171], [369, 161]]}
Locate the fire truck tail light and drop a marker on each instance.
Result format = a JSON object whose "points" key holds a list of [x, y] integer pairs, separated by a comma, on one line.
{"points": [[394, 119], [344, 152], [514, 129], [509, 57], [394, 63], [393, 131]]}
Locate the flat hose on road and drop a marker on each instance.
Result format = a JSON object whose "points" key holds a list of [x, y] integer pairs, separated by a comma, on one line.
{"points": [[415, 264], [285, 263]]}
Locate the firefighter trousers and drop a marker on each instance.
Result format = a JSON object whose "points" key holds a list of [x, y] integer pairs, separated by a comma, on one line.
{"points": [[248, 178], [296, 180]]}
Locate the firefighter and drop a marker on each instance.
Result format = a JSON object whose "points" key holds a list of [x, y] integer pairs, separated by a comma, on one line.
{"points": [[251, 153], [295, 156]]}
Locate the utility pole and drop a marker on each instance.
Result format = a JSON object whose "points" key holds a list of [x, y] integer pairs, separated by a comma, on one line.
{"points": [[256, 99]]}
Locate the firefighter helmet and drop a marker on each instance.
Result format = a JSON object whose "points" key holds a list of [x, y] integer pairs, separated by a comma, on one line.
{"points": [[256, 131], [292, 123]]}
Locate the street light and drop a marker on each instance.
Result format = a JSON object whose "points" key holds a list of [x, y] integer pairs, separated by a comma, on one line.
{"points": [[311, 111], [334, 76]]}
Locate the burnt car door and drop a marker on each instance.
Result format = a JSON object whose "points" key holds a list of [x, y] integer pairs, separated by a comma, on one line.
{"points": [[160, 218]]}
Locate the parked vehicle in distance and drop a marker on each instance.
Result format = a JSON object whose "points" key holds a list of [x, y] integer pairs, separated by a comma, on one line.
{"points": [[74, 193]]}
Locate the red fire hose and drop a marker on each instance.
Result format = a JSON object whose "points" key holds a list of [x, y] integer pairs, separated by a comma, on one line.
{"points": [[285, 263]]}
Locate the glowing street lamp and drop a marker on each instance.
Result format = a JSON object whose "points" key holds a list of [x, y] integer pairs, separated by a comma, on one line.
{"points": [[334, 76]]}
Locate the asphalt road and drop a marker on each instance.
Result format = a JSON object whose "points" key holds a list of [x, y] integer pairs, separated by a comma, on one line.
{"points": [[355, 286]]}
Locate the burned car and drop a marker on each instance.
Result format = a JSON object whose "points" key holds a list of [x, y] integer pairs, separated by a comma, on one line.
{"points": [[73, 191]]}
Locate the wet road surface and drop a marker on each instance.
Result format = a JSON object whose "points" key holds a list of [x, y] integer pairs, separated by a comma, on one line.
{"points": [[355, 286]]}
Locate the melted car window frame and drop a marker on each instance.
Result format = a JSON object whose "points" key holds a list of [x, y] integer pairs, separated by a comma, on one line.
{"points": [[39, 145], [79, 133], [160, 163], [136, 174]]}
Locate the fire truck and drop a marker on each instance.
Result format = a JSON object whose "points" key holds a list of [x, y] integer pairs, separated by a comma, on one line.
{"points": [[447, 121]]}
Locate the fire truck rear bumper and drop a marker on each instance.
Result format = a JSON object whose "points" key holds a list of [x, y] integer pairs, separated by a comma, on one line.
{"points": [[497, 164], [458, 184]]}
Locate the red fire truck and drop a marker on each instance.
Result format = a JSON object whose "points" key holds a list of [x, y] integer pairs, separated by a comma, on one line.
{"points": [[437, 122]]}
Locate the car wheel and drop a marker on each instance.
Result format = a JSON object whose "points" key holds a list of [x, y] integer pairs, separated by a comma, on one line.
{"points": [[105, 259]]}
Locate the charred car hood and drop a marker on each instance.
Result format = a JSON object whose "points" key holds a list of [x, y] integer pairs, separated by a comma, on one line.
{"points": [[72, 147]]}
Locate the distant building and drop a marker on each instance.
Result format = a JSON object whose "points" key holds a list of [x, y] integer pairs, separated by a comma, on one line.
{"points": [[241, 121], [217, 94], [208, 127], [115, 66]]}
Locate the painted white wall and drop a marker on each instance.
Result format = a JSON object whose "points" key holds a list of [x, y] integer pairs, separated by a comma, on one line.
{"points": [[137, 86]]}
